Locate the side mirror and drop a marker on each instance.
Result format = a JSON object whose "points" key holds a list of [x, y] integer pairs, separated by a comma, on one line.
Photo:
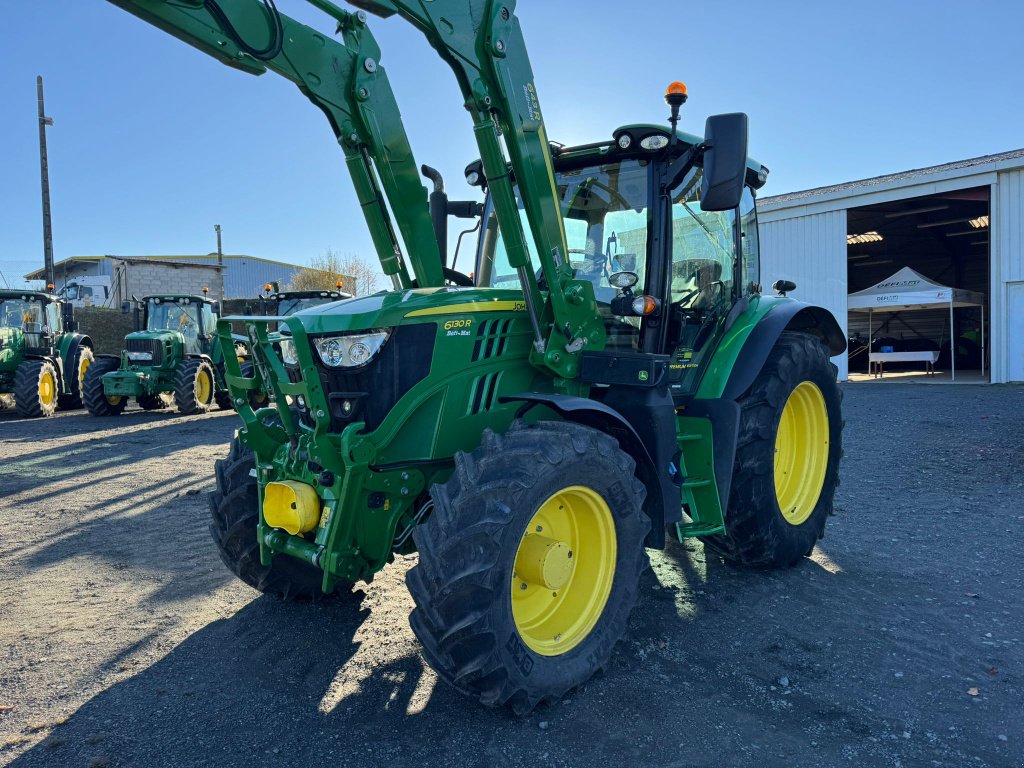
{"points": [[782, 287], [126, 307], [725, 161], [68, 317]]}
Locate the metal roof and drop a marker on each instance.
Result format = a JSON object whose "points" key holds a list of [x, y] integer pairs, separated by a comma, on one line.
{"points": [[1000, 161]]}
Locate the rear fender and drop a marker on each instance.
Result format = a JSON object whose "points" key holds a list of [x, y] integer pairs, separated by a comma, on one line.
{"points": [[768, 319]]}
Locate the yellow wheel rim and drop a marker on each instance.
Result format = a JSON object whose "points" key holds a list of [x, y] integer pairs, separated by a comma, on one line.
{"points": [[801, 453], [565, 565], [204, 387], [113, 399], [47, 389], [82, 368]]}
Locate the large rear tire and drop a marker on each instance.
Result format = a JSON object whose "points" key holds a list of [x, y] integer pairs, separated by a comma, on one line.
{"points": [[234, 512], [97, 402], [529, 564], [76, 380], [194, 386], [35, 389], [787, 460]]}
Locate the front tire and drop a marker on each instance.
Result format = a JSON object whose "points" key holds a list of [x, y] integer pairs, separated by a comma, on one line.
{"points": [[36, 389], [530, 563], [194, 386], [787, 459], [234, 512], [76, 380], [97, 402]]}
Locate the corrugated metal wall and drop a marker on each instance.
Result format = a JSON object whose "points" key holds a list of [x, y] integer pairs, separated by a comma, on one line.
{"points": [[244, 276], [810, 251], [1007, 267]]}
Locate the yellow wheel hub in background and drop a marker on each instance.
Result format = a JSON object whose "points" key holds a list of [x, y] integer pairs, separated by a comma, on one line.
{"points": [[801, 452], [47, 389], [82, 368], [564, 570], [204, 387]]}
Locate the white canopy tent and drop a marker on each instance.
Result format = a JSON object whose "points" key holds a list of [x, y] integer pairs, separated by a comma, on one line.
{"points": [[909, 290]]}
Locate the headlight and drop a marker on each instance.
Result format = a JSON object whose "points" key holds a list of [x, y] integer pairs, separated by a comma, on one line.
{"points": [[654, 142], [140, 357], [288, 354], [350, 351]]}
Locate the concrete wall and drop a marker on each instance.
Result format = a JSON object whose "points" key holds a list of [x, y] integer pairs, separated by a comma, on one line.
{"points": [[138, 279]]}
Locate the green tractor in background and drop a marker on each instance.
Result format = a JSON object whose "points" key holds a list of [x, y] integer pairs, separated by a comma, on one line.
{"points": [[611, 376], [173, 360], [274, 301], [43, 361]]}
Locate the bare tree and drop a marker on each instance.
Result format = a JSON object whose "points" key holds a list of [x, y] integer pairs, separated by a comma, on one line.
{"points": [[357, 276]]}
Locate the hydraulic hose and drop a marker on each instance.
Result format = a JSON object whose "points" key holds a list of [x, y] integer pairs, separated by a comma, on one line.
{"points": [[272, 49]]}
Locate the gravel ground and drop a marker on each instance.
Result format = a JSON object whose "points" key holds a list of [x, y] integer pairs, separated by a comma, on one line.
{"points": [[124, 641]]}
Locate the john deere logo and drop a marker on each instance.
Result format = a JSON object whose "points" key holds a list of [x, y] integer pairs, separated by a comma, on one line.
{"points": [[643, 375]]}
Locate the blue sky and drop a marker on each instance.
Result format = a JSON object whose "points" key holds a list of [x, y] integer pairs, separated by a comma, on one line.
{"points": [[154, 142]]}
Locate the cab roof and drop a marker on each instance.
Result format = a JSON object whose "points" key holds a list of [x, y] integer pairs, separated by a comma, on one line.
{"points": [[176, 296], [6, 293]]}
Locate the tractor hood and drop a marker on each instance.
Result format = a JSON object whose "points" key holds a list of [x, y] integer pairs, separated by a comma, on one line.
{"points": [[161, 335], [392, 308]]}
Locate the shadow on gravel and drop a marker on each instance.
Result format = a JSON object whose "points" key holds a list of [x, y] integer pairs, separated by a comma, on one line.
{"points": [[247, 690]]}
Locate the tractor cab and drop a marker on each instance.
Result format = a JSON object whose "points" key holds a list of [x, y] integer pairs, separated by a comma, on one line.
{"points": [[33, 317], [283, 303], [664, 276], [186, 320]]}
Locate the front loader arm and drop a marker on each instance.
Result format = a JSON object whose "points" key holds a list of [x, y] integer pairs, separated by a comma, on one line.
{"points": [[482, 42], [346, 81]]}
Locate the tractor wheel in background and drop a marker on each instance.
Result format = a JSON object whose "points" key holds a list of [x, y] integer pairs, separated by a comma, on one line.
{"points": [[787, 459], [35, 389], [234, 509], [223, 400], [257, 397], [96, 401], [76, 380], [155, 402], [530, 563], [194, 386]]}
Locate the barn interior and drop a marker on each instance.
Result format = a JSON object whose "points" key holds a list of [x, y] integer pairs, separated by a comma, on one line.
{"points": [[944, 237]]}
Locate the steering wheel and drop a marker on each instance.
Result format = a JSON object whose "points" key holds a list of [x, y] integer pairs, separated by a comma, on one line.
{"points": [[452, 277]]}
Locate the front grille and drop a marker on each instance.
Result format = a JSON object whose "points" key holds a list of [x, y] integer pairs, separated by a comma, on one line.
{"points": [[153, 346], [373, 390]]}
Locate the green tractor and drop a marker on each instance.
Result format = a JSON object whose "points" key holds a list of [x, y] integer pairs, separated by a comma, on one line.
{"points": [[173, 360], [611, 376], [43, 361]]}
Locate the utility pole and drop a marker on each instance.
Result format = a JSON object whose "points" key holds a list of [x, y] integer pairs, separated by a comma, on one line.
{"points": [[44, 171], [220, 261]]}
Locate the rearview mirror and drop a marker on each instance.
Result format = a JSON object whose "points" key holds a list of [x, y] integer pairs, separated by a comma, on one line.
{"points": [[725, 161], [126, 307], [68, 317]]}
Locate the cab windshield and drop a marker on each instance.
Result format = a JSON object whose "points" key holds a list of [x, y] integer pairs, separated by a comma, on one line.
{"points": [[291, 306], [607, 214], [22, 315]]}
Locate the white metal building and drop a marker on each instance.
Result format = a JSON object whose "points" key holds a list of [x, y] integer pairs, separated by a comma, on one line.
{"points": [[959, 224]]}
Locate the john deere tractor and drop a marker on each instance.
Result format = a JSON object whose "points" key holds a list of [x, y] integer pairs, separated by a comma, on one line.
{"points": [[172, 360], [611, 376], [43, 361]]}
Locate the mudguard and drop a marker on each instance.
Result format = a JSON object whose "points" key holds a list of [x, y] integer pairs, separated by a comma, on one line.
{"points": [[787, 316], [591, 413]]}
